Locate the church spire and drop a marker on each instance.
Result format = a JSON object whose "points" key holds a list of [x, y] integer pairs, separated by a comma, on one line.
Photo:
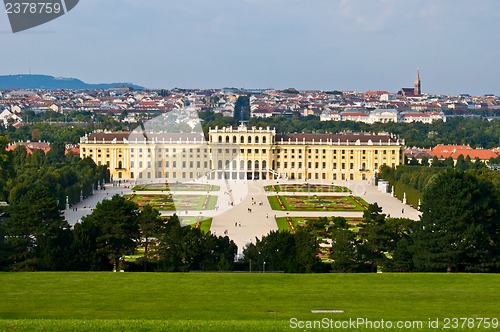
{"points": [[416, 89]]}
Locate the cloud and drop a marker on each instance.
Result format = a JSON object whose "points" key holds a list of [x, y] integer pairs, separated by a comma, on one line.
{"points": [[371, 16]]}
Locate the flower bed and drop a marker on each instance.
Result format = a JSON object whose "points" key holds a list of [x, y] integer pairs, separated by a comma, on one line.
{"points": [[176, 186], [307, 187], [171, 202], [318, 203]]}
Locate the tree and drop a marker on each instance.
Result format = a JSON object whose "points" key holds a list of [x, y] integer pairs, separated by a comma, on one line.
{"points": [[150, 224], [6, 169], [448, 162], [171, 252], [186, 248], [273, 252], [218, 253], [374, 236], [344, 247], [461, 165], [56, 153], [400, 259], [37, 233], [86, 256], [283, 251], [459, 227], [117, 221], [307, 248], [436, 162]]}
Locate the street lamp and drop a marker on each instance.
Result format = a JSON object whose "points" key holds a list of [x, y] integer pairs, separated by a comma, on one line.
{"points": [[264, 267]]}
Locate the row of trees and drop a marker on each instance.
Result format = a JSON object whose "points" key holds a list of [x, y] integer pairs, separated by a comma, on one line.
{"points": [[459, 231], [462, 163], [413, 181], [67, 176], [35, 237], [287, 252]]}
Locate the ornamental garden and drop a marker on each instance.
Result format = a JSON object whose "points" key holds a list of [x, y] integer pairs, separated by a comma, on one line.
{"points": [[170, 202], [317, 203], [307, 187], [176, 186], [290, 224]]}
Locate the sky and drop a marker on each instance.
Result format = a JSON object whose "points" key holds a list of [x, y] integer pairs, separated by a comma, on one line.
{"points": [[355, 45]]}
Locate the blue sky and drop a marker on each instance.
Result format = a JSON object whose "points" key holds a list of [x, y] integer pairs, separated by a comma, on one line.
{"points": [[307, 44]]}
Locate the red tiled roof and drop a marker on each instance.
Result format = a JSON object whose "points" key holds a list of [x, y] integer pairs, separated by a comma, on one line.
{"points": [[30, 146], [445, 151], [473, 154], [351, 137]]}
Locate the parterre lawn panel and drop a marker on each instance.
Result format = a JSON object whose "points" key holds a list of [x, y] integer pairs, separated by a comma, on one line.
{"points": [[170, 202], [307, 187], [317, 203], [284, 225], [180, 186]]}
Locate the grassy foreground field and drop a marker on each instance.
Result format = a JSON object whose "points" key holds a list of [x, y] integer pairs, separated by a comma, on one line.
{"points": [[236, 302]]}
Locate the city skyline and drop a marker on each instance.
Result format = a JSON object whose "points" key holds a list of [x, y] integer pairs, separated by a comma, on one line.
{"points": [[328, 45]]}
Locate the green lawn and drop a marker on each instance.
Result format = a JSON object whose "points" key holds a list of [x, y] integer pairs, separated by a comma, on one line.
{"points": [[235, 301], [203, 223], [317, 203]]}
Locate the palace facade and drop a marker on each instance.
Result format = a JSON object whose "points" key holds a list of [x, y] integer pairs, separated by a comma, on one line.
{"points": [[242, 153]]}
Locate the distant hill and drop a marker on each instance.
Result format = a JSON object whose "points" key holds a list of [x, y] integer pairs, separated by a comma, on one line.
{"points": [[54, 83]]}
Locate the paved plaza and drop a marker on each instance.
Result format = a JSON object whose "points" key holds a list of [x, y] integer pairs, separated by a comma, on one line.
{"points": [[243, 209]]}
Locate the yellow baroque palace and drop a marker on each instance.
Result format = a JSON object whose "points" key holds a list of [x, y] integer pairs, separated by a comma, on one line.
{"points": [[242, 153]]}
